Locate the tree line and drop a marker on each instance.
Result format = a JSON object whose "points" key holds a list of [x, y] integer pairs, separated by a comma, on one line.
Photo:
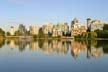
{"points": [[95, 34]]}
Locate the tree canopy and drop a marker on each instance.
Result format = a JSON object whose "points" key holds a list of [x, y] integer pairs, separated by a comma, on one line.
{"points": [[105, 27]]}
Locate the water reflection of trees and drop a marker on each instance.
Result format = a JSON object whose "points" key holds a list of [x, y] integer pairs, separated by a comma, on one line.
{"points": [[92, 48], [104, 45], [51, 46], [2, 42]]}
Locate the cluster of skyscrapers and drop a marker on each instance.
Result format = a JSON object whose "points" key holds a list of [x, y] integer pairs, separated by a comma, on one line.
{"points": [[60, 29]]}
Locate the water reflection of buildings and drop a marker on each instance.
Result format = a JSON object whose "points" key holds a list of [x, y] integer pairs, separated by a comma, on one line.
{"points": [[21, 45], [88, 48], [76, 48], [34, 46], [96, 52], [46, 46], [91, 49], [55, 46], [12, 44]]}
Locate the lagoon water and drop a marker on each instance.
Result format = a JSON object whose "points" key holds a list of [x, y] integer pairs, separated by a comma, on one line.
{"points": [[53, 56]]}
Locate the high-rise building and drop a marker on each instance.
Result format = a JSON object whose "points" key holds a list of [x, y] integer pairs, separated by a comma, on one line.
{"points": [[74, 22], [22, 29], [12, 30], [34, 30], [88, 24], [96, 24], [82, 29], [75, 30], [47, 28], [56, 31], [64, 27]]}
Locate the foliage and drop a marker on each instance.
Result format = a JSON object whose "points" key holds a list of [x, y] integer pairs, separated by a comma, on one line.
{"points": [[56, 37], [93, 34], [87, 35], [102, 33], [2, 33], [41, 34], [35, 36], [8, 34], [105, 27], [17, 33]]}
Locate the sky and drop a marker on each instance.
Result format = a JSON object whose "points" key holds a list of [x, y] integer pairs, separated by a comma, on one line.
{"points": [[39, 12]]}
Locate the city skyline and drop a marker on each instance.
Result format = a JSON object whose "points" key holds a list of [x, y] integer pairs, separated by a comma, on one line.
{"points": [[53, 35], [38, 12], [96, 22]]}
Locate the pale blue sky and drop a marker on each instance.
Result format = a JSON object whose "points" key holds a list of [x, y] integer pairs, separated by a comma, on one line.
{"points": [[38, 12]]}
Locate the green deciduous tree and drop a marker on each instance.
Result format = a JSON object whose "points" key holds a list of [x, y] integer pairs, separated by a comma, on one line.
{"points": [[41, 34], [2, 33], [17, 33], [105, 27], [102, 33], [8, 34]]}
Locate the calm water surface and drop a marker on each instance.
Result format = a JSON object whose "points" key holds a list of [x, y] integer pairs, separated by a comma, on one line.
{"points": [[53, 56]]}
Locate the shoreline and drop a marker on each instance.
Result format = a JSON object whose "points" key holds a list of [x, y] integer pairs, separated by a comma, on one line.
{"points": [[37, 37], [54, 38], [91, 39]]}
